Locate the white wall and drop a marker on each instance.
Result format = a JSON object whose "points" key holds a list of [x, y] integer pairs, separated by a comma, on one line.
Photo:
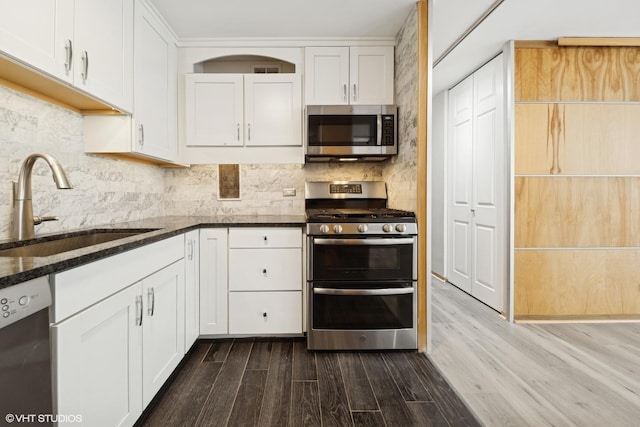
{"points": [[438, 184]]}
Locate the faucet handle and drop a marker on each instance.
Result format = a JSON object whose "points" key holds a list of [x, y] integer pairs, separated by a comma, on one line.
{"points": [[40, 219]]}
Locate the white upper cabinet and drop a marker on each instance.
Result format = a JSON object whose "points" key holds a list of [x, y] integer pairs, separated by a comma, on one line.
{"points": [[349, 75], [151, 132], [215, 110], [88, 43], [242, 118], [38, 33], [103, 50], [155, 89], [326, 75], [273, 110], [243, 110]]}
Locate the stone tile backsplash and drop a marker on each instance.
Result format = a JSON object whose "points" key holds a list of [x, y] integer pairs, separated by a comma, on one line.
{"points": [[105, 190], [194, 191]]}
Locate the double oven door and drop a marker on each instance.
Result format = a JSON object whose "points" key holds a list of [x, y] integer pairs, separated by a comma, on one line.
{"points": [[362, 292]]}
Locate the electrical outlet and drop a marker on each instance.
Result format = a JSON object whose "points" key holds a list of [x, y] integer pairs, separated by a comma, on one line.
{"points": [[288, 192]]}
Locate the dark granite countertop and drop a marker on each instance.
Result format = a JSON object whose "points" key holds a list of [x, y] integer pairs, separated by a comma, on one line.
{"points": [[14, 270]]}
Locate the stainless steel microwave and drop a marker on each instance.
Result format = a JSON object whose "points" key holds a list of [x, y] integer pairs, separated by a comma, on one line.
{"points": [[351, 132]]}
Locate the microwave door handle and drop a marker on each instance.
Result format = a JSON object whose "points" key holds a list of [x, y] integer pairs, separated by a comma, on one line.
{"points": [[379, 132], [367, 242], [368, 292]]}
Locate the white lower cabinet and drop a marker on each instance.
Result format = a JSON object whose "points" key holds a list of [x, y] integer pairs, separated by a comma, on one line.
{"points": [[98, 362], [162, 327], [112, 358], [213, 281], [118, 332], [265, 313], [265, 280], [191, 288]]}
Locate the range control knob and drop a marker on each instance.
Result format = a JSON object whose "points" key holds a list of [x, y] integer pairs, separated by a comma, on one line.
{"points": [[337, 229], [387, 228], [401, 228], [362, 228], [324, 228]]}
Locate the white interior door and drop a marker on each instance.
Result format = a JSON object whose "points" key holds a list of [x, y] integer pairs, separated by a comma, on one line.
{"points": [[489, 170], [460, 148], [477, 190]]}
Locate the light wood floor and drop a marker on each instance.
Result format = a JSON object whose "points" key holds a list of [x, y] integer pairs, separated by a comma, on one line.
{"points": [[582, 374]]}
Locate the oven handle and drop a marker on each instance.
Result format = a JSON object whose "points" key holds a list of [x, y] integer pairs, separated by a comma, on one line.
{"points": [[390, 291], [372, 241]]}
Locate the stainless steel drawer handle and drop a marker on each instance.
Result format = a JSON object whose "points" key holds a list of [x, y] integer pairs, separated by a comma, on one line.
{"points": [[370, 292], [85, 65], [139, 310], [152, 301], [68, 48]]}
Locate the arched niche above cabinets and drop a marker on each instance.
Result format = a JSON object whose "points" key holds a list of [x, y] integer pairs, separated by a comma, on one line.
{"points": [[245, 64], [242, 108]]}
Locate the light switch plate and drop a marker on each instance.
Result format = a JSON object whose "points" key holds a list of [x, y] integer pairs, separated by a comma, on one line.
{"points": [[288, 192]]}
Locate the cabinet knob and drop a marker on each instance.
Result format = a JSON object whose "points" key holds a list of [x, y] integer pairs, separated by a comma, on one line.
{"points": [[264, 271], [264, 314], [265, 238]]}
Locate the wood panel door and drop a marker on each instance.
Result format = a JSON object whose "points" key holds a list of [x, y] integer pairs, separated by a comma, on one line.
{"points": [[477, 190]]}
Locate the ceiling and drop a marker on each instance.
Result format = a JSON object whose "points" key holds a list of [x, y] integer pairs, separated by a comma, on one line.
{"points": [[511, 20], [202, 19]]}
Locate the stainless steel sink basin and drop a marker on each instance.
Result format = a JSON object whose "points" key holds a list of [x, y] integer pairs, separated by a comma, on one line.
{"points": [[53, 245]]}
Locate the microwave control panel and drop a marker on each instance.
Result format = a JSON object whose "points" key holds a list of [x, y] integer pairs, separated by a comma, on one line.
{"points": [[388, 130]]}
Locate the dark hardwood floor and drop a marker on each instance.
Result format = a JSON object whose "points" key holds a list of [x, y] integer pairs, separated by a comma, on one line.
{"points": [[277, 382]]}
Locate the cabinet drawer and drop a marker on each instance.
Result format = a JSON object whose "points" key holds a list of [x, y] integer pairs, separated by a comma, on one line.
{"points": [[265, 313], [265, 269], [273, 237]]}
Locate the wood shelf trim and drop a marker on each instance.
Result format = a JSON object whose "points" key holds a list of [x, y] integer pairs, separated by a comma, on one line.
{"points": [[26, 80], [421, 184], [600, 41]]}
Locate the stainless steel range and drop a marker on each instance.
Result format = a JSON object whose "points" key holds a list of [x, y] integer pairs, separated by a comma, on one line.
{"points": [[361, 268]]}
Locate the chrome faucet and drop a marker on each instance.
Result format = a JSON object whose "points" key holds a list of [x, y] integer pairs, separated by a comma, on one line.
{"points": [[23, 219]]}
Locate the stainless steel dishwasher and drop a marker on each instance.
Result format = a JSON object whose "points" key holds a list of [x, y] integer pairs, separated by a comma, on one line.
{"points": [[25, 354]]}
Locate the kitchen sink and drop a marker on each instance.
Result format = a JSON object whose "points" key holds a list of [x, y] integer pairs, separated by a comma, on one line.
{"points": [[53, 245]]}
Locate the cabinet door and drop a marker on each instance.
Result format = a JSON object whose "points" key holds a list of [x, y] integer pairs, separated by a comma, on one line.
{"points": [[371, 75], [214, 109], [192, 289], [265, 313], [155, 87], [326, 75], [103, 51], [162, 327], [272, 110], [97, 358], [38, 32], [213, 281]]}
